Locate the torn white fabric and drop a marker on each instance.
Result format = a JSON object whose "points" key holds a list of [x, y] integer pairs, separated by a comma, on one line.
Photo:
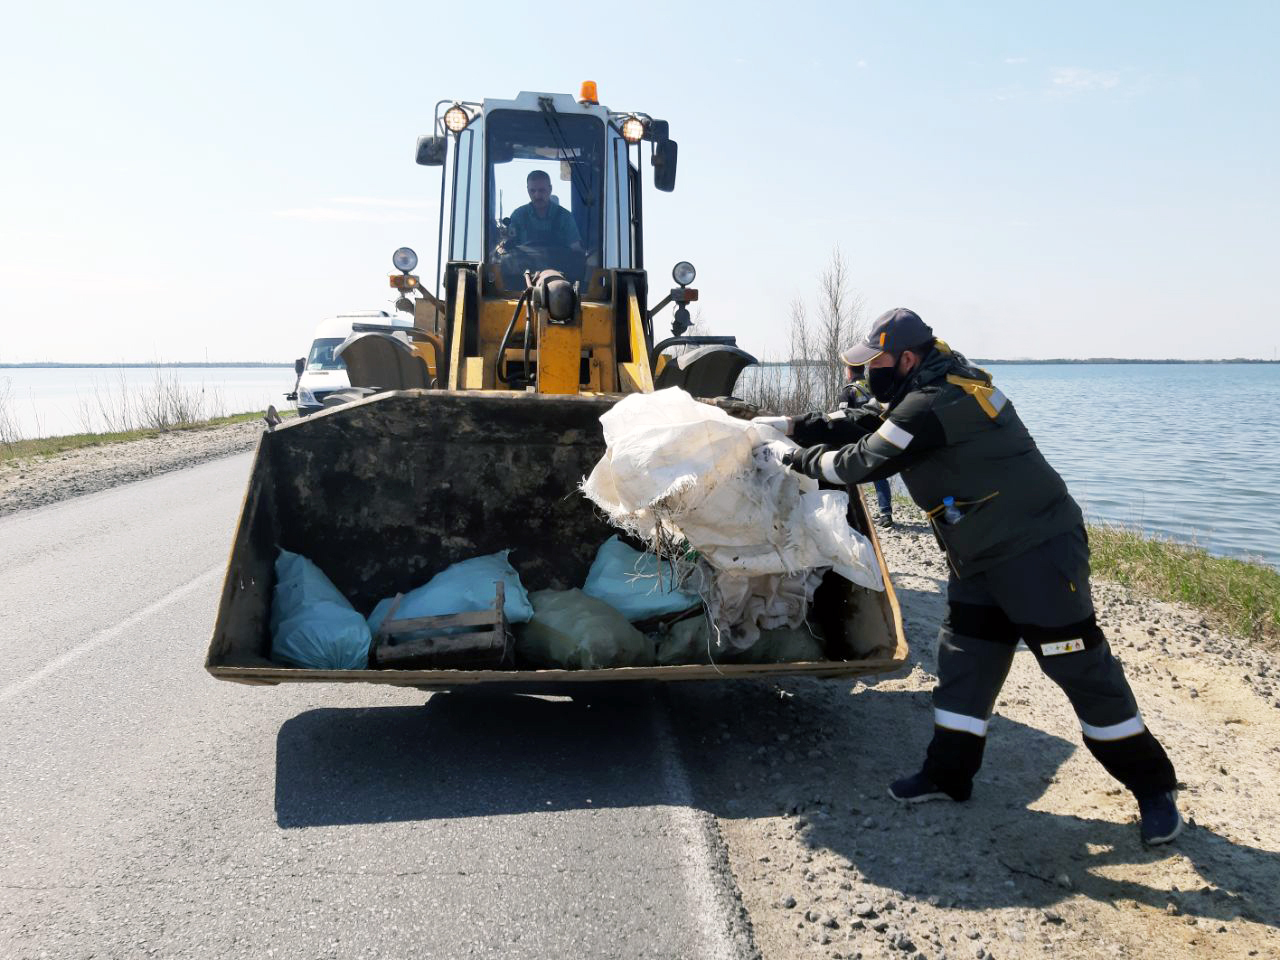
{"points": [[740, 607], [679, 471]]}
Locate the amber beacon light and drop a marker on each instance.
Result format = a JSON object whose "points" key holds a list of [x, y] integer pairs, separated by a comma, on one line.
{"points": [[588, 93]]}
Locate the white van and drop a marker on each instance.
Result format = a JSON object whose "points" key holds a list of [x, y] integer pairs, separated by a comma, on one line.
{"points": [[321, 373]]}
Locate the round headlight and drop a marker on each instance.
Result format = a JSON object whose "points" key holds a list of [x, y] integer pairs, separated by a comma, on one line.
{"points": [[404, 259], [683, 273], [456, 119], [633, 129]]}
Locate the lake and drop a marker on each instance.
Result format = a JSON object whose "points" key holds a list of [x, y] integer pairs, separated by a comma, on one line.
{"points": [[1191, 451], [56, 401], [1187, 450]]}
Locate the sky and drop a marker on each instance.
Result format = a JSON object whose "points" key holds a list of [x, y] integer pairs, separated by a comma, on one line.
{"points": [[191, 182]]}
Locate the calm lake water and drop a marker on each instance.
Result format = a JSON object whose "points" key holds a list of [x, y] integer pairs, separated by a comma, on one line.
{"points": [[56, 401], [1187, 450], [1191, 451]]}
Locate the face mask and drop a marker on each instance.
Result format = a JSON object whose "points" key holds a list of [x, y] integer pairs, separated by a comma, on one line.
{"points": [[882, 382]]}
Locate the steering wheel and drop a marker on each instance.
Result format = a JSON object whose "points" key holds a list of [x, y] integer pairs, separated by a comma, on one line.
{"points": [[533, 257]]}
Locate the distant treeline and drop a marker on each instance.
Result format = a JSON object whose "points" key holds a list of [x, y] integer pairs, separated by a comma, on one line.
{"points": [[146, 366]]}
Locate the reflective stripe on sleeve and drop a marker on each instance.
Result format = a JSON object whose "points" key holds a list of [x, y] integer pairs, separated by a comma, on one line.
{"points": [[838, 414], [997, 399], [895, 434], [958, 721], [827, 463], [1117, 731]]}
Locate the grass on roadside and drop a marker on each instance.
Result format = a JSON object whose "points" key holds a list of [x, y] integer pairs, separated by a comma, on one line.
{"points": [[48, 446], [1236, 596]]}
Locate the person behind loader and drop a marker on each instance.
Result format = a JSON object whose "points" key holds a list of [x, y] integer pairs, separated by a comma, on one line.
{"points": [[541, 222], [856, 394], [1018, 553]]}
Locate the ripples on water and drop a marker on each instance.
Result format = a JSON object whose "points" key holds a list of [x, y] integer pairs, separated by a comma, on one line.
{"points": [[1190, 451], [1187, 450]]}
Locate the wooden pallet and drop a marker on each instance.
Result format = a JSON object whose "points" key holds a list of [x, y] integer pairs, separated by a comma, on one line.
{"points": [[416, 643]]}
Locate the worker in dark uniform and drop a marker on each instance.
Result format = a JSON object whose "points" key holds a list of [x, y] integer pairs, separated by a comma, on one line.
{"points": [[1018, 553]]}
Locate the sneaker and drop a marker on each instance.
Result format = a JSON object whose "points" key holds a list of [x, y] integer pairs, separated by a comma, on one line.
{"points": [[1161, 821], [916, 788], [884, 520]]}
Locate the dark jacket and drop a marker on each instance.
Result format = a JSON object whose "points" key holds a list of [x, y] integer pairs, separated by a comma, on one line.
{"points": [[949, 432], [856, 394]]}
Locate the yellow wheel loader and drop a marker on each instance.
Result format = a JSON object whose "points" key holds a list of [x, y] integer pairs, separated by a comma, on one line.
{"points": [[469, 432]]}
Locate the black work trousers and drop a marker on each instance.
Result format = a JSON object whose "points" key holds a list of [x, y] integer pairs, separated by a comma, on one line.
{"points": [[1043, 598]]}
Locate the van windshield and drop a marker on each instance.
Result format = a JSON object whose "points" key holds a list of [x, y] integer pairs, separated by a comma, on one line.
{"points": [[321, 356]]}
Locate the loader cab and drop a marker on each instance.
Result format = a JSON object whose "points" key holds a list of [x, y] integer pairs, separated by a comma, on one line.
{"points": [[538, 184], [586, 227]]}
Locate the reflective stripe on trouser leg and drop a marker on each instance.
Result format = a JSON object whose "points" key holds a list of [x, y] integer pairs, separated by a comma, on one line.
{"points": [[1114, 732], [971, 671]]}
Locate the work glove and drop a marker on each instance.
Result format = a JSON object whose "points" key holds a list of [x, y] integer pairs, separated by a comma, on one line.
{"points": [[806, 460], [782, 424], [774, 451]]}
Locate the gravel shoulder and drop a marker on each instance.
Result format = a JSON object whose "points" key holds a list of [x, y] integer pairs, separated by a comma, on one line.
{"points": [[38, 481], [1043, 861]]}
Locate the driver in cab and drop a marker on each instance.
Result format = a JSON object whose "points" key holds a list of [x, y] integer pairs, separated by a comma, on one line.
{"points": [[541, 222]]}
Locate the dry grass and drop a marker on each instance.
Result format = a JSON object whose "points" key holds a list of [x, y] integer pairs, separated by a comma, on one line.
{"points": [[1237, 596], [9, 433], [48, 446], [165, 404]]}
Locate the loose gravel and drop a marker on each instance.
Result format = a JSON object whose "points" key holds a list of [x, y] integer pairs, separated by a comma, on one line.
{"points": [[1045, 859], [37, 481]]}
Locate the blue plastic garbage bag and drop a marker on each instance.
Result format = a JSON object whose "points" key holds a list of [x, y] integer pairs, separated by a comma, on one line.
{"points": [[312, 623], [463, 587], [629, 581]]}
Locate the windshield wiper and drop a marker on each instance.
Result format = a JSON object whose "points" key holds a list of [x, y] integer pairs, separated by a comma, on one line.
{"points": [[552, 120]]}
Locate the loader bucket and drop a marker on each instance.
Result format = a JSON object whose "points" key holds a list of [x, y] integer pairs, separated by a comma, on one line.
{"points": [[385, 493]]}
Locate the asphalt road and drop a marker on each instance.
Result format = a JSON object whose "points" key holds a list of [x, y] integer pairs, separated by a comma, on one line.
{"points": [[149, 810]]}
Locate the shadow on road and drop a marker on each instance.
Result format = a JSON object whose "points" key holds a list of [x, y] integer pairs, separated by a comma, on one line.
{"points": [[994, 851], [474, 755], [464, 755]]}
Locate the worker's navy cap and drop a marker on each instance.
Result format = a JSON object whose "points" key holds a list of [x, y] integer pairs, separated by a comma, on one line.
{"points": [[895, 331]]}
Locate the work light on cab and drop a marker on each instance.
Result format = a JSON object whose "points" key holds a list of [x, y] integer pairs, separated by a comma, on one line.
{"points": [[456, 119], [404, 259], [633, 129], [683, 273]]}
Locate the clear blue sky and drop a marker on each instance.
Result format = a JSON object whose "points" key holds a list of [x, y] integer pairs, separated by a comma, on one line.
{"points": [[1051, 179]]}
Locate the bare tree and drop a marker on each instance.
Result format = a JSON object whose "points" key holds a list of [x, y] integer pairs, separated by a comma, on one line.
{"points": [[814, 373]]}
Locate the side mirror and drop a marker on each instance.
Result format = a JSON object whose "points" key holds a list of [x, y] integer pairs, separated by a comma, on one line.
{"points": [[299, 365], [664, 165], [657, 131], [432, 150]]}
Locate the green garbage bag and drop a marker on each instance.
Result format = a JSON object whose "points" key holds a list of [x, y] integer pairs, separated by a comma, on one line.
{"points": [[573, 631], [693, 641]]}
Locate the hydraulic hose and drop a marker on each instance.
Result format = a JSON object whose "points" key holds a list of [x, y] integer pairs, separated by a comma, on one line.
{"points": [[506, 337]]}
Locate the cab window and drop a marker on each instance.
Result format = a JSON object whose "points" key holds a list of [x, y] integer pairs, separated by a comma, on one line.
{"points": [[545, 186]]}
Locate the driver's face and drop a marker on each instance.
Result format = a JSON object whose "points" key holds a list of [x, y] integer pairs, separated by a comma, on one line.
{"points": [[540, 193]]}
